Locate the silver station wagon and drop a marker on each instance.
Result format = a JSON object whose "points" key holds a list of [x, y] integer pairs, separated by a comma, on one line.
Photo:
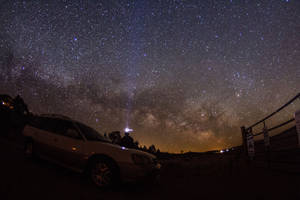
{"points": [[74, 145]]}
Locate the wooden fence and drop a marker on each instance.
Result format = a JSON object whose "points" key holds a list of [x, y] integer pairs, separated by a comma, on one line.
{"points": [[280, 151]]}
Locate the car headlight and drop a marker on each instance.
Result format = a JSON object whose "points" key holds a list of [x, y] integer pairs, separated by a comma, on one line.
{"points": [[139, 159]]}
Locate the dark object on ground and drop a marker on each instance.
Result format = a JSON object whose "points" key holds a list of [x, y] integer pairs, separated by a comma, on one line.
{"points": [[6, 108], [13, 115]]}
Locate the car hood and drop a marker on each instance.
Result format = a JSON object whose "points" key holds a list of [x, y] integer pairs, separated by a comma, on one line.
{"points": [[116, 151], [136, 151]]}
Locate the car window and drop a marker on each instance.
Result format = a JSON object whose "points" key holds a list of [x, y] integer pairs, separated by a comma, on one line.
{"points": [[65, 128], [57, 126], [43, 123], [91, 134], [73, 133], [53, 125]]}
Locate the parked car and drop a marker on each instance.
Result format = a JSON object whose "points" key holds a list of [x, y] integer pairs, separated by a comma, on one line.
{"points": [[81, 148]]}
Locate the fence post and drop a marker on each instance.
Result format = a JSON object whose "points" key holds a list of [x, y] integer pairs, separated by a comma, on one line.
{"points": [[244, 138], [297, 119], [267, 144], [250, 144]]}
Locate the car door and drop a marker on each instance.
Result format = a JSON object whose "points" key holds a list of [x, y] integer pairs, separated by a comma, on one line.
{"points": [[44, 136], [70, 144]]}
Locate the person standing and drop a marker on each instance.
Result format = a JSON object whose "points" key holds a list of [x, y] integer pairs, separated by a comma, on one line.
{"points": [[127, 141]]}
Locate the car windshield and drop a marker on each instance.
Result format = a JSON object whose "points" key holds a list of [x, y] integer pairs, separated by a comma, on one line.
{"points": [[91, 134]]}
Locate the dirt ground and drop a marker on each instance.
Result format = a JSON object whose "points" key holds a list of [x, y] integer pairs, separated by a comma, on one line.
{"points": [[207, 177]]}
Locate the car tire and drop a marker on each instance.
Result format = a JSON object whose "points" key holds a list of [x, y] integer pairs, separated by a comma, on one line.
{"points": [[103, 173]]}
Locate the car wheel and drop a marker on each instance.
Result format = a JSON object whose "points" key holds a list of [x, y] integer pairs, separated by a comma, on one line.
{"points": [[103, 173]]}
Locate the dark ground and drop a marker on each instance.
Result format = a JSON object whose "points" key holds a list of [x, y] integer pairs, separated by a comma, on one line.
{"points": [[206, 177]]}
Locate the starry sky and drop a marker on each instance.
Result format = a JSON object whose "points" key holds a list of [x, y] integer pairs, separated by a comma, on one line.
{"points": [[184, 75]]}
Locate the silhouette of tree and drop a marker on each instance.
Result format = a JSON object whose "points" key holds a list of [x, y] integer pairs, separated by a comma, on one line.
{"points": [[152, 149], [136, 144], [5, 113], [144, 148]]}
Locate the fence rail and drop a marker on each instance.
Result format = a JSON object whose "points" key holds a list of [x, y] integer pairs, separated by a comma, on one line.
{"points": [[275, 127], [281, 148], [278, 110]]}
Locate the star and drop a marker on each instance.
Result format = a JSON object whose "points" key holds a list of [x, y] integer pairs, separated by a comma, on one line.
{"points": [[185, 75]]}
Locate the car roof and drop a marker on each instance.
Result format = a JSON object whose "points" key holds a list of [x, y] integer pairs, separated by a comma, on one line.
{"points": [[56, 116], [62, 117]]}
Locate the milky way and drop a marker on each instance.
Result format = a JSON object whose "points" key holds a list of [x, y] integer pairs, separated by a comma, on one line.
{"points": [[185, 75]]}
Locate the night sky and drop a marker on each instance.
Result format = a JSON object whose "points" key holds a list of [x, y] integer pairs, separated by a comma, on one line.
{"points": [[184, 75]]}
